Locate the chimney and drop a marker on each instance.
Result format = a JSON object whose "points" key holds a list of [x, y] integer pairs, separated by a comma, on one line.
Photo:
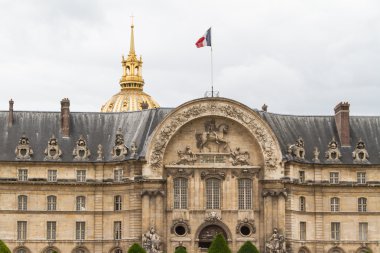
{"points": [[10, 113], [65, 117], [342, 121]]}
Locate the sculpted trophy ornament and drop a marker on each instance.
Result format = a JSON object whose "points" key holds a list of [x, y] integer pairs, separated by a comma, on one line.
{"points": [[316, 155], [297, 151], [119, 151], [23, 150], [53, 151], [151, 241], [81, 152], [333, 154], [186, 157], [239, 158], [360, 154], [276, 243]]}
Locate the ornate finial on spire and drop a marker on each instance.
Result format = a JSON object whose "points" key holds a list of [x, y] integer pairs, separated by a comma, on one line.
{"points": [[132, 45]]}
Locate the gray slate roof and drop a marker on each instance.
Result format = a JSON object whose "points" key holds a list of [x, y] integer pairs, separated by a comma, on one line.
{"points": [[101, 128]]}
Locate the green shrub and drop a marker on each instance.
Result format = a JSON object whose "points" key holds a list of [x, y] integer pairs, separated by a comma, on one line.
{"points": [[136, 248], [4, 248], [180, 250], [248, 247], [219, 245]]}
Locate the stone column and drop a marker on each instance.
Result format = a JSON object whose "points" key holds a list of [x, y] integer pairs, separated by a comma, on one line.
{"points": [[152, 211], [145, 212], [159, 215], [268, 214], [281, 212]]}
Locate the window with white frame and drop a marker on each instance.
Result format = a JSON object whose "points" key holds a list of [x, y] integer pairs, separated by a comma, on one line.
{"points": [[118, 203], [303, 230], [302, 204], [81, 203], [52, 176], [334, 177], [22, 202], [363, 231], [51, 227], [21, 230], [335, 204], [245, 193], [301, 176], [117, 230], [180, 193], [118, 175], [362, 204], [51, 203], [361, 178], [80, 229], [335, 231], [22, 175], [81, 175], [213, 193]]}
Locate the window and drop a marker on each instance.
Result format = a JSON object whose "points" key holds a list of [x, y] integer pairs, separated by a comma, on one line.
{"points": [[22, 175], [80, 251], [334, 177], [334, 204], [335, 231], [21, 230], [362, 205], [50, 250], [213, 193], [302, 230], [118, 203], [51, 203], [301, 176], [22, 203], [52, 176], [81, 203], [80, 230], [180, 193], [363, 231], [117, 230], [81, 175], [118, 251], [21, 251], [361, 177], [302, 203], [118, 175], [51, 230], [245, 193]]}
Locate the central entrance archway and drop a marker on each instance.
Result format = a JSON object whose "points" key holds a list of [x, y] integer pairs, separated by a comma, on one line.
{"points": [[208, 234]]}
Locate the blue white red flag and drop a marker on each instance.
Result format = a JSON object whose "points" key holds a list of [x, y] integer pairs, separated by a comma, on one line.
{"points": [[205, 40]]}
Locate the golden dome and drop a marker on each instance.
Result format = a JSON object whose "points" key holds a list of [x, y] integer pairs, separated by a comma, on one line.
{"points": [[131, 97]]}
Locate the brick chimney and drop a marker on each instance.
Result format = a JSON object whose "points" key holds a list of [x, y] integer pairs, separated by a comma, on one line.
{"points": [[10, 113], [342, 121], [65, 117]]}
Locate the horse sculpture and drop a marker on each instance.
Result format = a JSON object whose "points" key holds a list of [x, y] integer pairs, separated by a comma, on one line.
{"points": [[213, 134]]}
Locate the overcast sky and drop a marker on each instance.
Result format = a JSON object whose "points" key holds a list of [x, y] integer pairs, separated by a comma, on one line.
{"points": [[299, 57]]}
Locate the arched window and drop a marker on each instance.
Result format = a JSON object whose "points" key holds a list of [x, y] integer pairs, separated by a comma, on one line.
{"points": [[21, 250], [213, 193], [118, 203], [22, 203], [136, 71], [81, 203], [128, 71], [302, 204], [335, 206], [51, 203], [245, 193], [80, 251], [50, 250], [180, 193], [362, 205], [118, 251]]}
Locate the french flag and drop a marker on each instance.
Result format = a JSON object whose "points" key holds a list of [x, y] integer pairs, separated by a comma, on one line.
{"points": [[205, 40]]}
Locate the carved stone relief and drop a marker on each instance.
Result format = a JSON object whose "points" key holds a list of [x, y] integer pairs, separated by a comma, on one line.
{"points": [[53, 151], [239, 158], [119, 151], [245, 173], [134, 149], [213, 173], [213, 134], [274, 193], [180, 222], [186, 157], [213, 217], [180, 172], [360, 154], [100, 153], [246, 225], [151, 241], [81, 152], [333, 154], [297, 151], [316, 153], [23, 150], [276, 243]]}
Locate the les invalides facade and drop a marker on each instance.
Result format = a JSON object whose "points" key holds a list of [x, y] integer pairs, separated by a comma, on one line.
{"points": [[98, 182]]}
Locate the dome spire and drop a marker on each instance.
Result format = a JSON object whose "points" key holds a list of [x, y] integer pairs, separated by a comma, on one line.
{"points": [[132, 45]]}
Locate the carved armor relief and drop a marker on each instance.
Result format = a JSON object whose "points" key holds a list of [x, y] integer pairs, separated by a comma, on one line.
{"points": [[81, 152], [119, 151], [23, 150], [53, 152], [360, 154], [333, 154]]}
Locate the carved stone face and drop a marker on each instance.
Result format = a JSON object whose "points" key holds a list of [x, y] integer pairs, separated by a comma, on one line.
{"points": [[81, 143]]}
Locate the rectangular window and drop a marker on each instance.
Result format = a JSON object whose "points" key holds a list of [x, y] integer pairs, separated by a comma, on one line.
{"points": [[81, 175], [302, 230], [334, 177], [363, 231], [80, 230], [335, 231], [361, 177], [52, 176], [51, 230], [22, 203], [180, 193], [118, 175], [118, 203], [21, 230], [51, 203], [22, 175], [213, 193], [117, 230], [301, 176], [245, 193]]}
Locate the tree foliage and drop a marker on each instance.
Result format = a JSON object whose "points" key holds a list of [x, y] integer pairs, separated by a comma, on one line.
{"points": [[248, 247], [4, 248], [136, 248], [219, 245], [180, 250]]}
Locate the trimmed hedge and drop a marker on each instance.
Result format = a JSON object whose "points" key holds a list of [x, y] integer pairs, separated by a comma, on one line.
{"points": [[248, 247], [136, 248], [4, 248], [219, 245], [180, 250]]}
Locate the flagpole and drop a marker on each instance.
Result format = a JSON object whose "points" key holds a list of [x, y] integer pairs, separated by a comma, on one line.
{"points": [[212, 74]]}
